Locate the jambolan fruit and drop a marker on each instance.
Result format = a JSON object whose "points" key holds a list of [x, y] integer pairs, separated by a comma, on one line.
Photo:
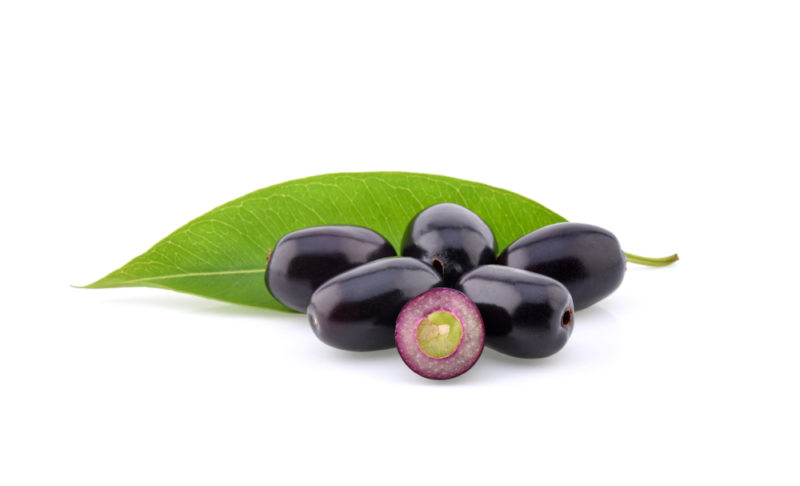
{"points": [[439, 334]]}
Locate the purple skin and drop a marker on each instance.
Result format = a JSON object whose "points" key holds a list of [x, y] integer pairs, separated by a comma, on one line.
{"points": [[357, 310], [305, 259], [526, 315], [586, 259], [450, 238], [459, 354]]}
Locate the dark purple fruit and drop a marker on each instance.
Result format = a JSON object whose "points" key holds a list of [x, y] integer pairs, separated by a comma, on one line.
{"points": [[450, 238], [357, 309], [588, 260], [525, 314], [304, 259], [439, 334]]}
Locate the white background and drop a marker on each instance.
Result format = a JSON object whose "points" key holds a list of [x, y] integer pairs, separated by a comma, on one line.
{"points": [[673, 124]]}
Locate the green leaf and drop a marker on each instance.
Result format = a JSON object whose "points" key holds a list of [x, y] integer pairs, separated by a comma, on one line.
{"points": [[222, 254]]}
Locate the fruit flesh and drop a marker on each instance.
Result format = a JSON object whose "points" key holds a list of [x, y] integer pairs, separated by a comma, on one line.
{"points": [[525, 314], [451, 238], [440, 334], [357, 309], [588, 260], [304, 259]]}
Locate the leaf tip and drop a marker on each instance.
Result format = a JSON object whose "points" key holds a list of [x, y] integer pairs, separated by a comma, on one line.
{"points": [[103, 283], [93, 285]]}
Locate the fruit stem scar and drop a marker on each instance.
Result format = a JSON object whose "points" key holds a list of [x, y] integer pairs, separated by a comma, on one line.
{"points": [[566, 318], [650, 261], [438, 265]]}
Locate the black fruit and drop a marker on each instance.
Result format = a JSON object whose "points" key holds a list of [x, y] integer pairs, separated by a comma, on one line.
{"points": [[525, 314], [451, 238], [357, 309], [439, 334], [304, 259], [587, 259]]}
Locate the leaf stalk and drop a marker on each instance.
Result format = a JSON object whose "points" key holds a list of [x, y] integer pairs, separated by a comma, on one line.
{"points": [[650, 261]]}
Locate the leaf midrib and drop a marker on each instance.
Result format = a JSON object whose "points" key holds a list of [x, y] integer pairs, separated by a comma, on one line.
{"points": [[192, 274]]}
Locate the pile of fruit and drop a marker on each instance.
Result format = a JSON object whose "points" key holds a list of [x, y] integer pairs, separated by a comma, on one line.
{"points": [[448, 293]]}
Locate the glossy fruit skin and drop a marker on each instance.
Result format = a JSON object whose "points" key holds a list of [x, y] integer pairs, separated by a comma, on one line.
{"points": [[587, 259], [305, 259], [357, 309], [525, 314], [451, 238]]}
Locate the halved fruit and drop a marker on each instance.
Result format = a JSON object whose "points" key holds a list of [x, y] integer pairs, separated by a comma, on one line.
{"points": [[439, 334]]}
